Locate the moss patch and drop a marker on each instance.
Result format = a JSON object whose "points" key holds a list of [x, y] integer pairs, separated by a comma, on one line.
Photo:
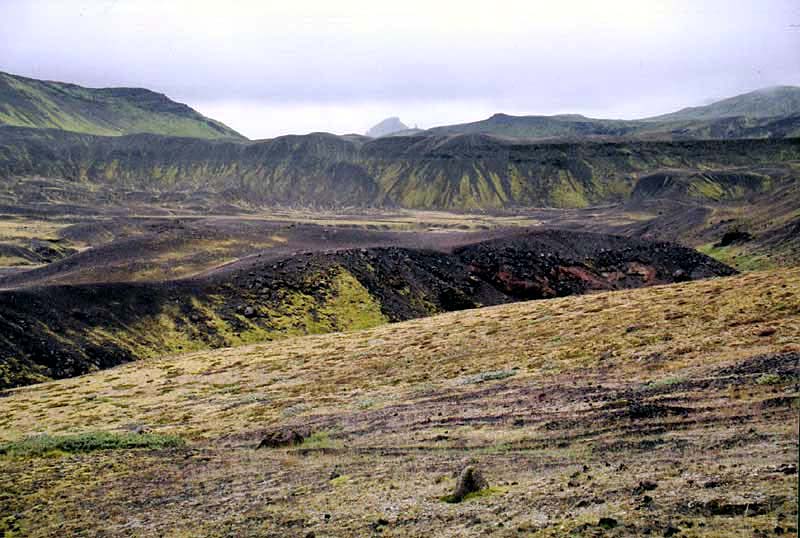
{"points": [[486, 492]]}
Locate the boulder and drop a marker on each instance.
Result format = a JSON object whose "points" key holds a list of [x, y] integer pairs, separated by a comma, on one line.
{"points": [[471, 480]]}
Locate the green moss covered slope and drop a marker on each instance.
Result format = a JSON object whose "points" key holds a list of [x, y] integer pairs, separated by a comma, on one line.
{"points": [[26, 102]]}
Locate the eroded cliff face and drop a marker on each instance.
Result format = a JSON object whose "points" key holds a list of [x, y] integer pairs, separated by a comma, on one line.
{"points": [[464, 172]]}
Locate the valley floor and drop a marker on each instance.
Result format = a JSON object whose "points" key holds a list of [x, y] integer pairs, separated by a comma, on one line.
{"points": [[664, 411]]}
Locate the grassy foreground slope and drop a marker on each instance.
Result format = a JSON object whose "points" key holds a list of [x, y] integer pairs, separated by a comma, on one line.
{"points": [[662, 411], [42, 104]]}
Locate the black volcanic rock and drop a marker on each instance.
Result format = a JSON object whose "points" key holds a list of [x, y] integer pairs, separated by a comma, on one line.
{"points": [[67, 330], [734, 236]]}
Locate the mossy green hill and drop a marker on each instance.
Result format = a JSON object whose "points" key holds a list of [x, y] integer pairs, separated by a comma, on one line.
{"points": [[764, 103], [26, 102]]}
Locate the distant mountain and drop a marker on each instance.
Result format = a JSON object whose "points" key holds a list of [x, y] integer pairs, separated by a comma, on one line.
{"points": [[501, 162], [538, 127], [387, 127], [27, 102], [763, 103], [767, 113]]}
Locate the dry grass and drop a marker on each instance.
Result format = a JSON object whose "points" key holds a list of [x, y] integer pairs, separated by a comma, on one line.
{"points": [[402, 407], [19, 231], [671, 328]]}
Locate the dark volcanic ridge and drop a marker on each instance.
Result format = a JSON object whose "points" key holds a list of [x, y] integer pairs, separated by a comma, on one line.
{"points": [[463, 172], [67, 330]]}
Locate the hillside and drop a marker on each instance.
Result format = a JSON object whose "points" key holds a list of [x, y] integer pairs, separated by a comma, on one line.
{"points": [[26, 102], [322, 170], [662, 411], [763, 103]]}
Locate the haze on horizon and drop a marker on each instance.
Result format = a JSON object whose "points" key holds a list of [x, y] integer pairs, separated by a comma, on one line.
{"points": [[268, 69]]}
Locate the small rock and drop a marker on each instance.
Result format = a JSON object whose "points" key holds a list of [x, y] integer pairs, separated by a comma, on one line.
{"points": [[607, 523], [681, 276], [788, 468], [645, 485], [376, 525], [283, 437], [671, 531]]}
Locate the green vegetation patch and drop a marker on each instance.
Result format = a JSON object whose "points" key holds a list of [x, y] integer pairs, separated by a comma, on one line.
{"points": [[486, 492], [666, 382], [340, 480], [319, 440], [489, 376], [41, 445], [737, 257], [769, 379]]}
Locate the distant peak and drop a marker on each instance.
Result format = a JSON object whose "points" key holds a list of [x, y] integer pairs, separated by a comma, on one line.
{"points": [[387, 127]]}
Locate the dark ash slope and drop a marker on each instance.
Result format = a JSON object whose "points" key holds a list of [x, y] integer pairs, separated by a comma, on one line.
{"points": [[61, 331]]}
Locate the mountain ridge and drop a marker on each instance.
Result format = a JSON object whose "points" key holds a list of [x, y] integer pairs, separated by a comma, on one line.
{"points": [[758, 114], [323, 170], [29, 102], [772, 101]]}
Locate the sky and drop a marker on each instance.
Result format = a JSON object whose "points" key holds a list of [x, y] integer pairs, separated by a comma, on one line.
{"points": [[268, 68]]}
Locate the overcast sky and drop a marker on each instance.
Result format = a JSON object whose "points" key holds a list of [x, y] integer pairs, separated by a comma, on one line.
{"points": [[292, 66]]}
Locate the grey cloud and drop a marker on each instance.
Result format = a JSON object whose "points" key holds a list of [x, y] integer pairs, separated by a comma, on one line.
{"points": [[621, 60]]}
